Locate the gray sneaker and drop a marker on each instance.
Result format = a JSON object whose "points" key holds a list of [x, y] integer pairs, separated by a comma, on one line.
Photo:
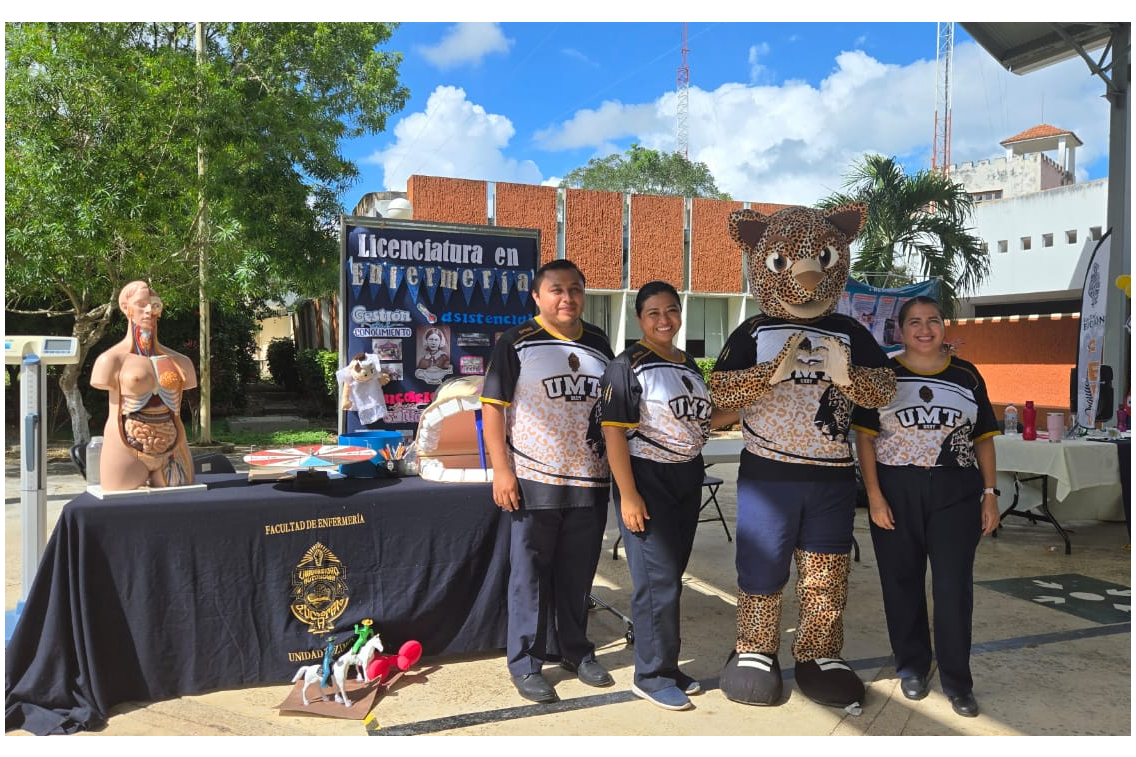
{"points": [[670, 698]]}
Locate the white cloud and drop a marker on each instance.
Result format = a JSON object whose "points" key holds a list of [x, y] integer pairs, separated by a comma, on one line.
{"points": [[467, 43], [789, 143], [793, 143], [454, 138], [756, 68], [575, 54], [612, 120]]}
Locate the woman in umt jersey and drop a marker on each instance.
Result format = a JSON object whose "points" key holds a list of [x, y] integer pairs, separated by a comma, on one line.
{"points": [[655, 415], [928, 465]]}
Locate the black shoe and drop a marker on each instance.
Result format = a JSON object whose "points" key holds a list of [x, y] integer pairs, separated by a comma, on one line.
{"points": [[590, 672], [915, 687], [535, 688], [965, 705]]}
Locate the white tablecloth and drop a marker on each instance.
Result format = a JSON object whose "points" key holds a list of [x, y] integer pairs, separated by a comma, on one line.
{"points": [[1084, 476], [1073, 463]]}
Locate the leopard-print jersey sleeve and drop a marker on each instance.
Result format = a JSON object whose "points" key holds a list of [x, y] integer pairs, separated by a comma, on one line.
{"points": [[737, 380], [871, 387]]}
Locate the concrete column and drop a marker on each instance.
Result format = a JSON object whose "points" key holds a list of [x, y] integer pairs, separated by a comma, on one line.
{"points": [[1117, 347]]}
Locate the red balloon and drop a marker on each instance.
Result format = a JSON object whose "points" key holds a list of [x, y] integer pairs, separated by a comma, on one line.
{"points": [[379, 668], [408, 654]]}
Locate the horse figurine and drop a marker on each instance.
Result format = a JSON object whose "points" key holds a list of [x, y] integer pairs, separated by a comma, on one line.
{"points": [[360, 660], [314, 674]]}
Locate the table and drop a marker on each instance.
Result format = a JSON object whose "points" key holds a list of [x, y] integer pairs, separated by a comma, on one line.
{"points": [[722, 451], [1075, 465], [147, 598]]}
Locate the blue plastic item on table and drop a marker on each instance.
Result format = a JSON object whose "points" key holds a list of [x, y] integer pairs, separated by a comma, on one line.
{"points": [[376, 440]]}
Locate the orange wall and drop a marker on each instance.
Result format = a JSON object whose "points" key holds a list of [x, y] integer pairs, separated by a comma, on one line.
{"points": [[715, 261], [448, 200], [526, 206], [1021, 358], [593, 236], [656, 240], [593, 229]]}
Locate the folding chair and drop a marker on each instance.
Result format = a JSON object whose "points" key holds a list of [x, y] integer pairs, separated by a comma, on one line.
{"points": [[79, 457], [212, 462], [711, 483]]}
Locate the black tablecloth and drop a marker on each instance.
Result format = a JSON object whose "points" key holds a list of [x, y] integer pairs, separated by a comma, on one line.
{"points": [[141, 599]]}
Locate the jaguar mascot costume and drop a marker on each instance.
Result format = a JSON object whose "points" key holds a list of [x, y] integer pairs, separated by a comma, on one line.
{"points": [[795, 372]]}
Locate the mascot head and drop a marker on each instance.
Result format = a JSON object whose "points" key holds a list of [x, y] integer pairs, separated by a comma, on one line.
{"points": [[798, 257], [362, 370]]}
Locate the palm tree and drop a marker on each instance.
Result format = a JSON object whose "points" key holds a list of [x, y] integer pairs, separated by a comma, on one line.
{"points": [[917, 227]]}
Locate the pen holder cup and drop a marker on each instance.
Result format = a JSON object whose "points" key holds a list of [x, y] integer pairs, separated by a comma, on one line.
{"points": [[376, 440]]}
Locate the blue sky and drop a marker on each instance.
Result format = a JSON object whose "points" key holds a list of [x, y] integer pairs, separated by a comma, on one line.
{"points": [[777, 110]]}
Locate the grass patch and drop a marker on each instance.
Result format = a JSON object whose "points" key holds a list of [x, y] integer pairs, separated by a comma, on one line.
{"points": [[272, 439]]}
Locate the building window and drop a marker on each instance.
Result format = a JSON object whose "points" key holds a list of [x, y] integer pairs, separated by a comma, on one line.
{"points": [[1003, 245], [706, 331], [1027, 243], [985, 247], [1046, 240], [597, 311], [1071, 236], [1095, 233], [632, 333]]}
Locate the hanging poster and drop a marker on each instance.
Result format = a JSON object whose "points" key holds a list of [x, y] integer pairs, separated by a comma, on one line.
{"points": [[878, 309], [398, 280], [1090, 345]]}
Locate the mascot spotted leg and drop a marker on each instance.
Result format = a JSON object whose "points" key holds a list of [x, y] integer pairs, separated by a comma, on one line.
{"points": [[822, 590], [752, 674]]}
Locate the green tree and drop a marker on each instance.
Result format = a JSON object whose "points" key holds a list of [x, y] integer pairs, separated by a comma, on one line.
{"points": [[918, 228], [645, 171], [103, 124]]}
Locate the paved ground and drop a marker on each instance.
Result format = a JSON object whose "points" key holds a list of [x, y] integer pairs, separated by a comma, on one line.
{"points": [[1041, 668]]}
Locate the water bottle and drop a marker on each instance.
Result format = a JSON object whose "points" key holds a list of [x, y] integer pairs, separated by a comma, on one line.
{"points": [[1029, 422], [1011, 421], [94, 458]]}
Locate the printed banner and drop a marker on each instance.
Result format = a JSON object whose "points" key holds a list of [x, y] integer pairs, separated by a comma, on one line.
{"points": [[878, 309], [397, 285], [1090, 349]]}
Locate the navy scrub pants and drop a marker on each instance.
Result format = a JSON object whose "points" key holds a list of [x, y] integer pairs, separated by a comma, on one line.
{"points": [[553, 556], [657, 558], [938, 517]]}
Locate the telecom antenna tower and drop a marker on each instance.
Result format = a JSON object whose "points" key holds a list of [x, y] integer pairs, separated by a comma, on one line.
{"points": [[682, 122], [944, 59]]}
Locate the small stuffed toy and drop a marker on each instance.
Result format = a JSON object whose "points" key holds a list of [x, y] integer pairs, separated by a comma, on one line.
{"points": [[795, 372], [363, 380]]}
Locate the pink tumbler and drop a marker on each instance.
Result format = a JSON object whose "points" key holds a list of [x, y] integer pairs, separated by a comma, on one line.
{"points": [[1055, 423]]}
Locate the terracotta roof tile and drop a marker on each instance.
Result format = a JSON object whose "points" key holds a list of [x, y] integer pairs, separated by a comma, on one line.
{"points": [[1037, 132]]}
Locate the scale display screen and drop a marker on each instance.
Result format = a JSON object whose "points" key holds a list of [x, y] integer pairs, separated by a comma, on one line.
{"points": [[64, 346], [51, 350]]}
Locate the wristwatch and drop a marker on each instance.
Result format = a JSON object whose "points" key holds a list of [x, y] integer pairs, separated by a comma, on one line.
{"points": [[991, 490]]}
